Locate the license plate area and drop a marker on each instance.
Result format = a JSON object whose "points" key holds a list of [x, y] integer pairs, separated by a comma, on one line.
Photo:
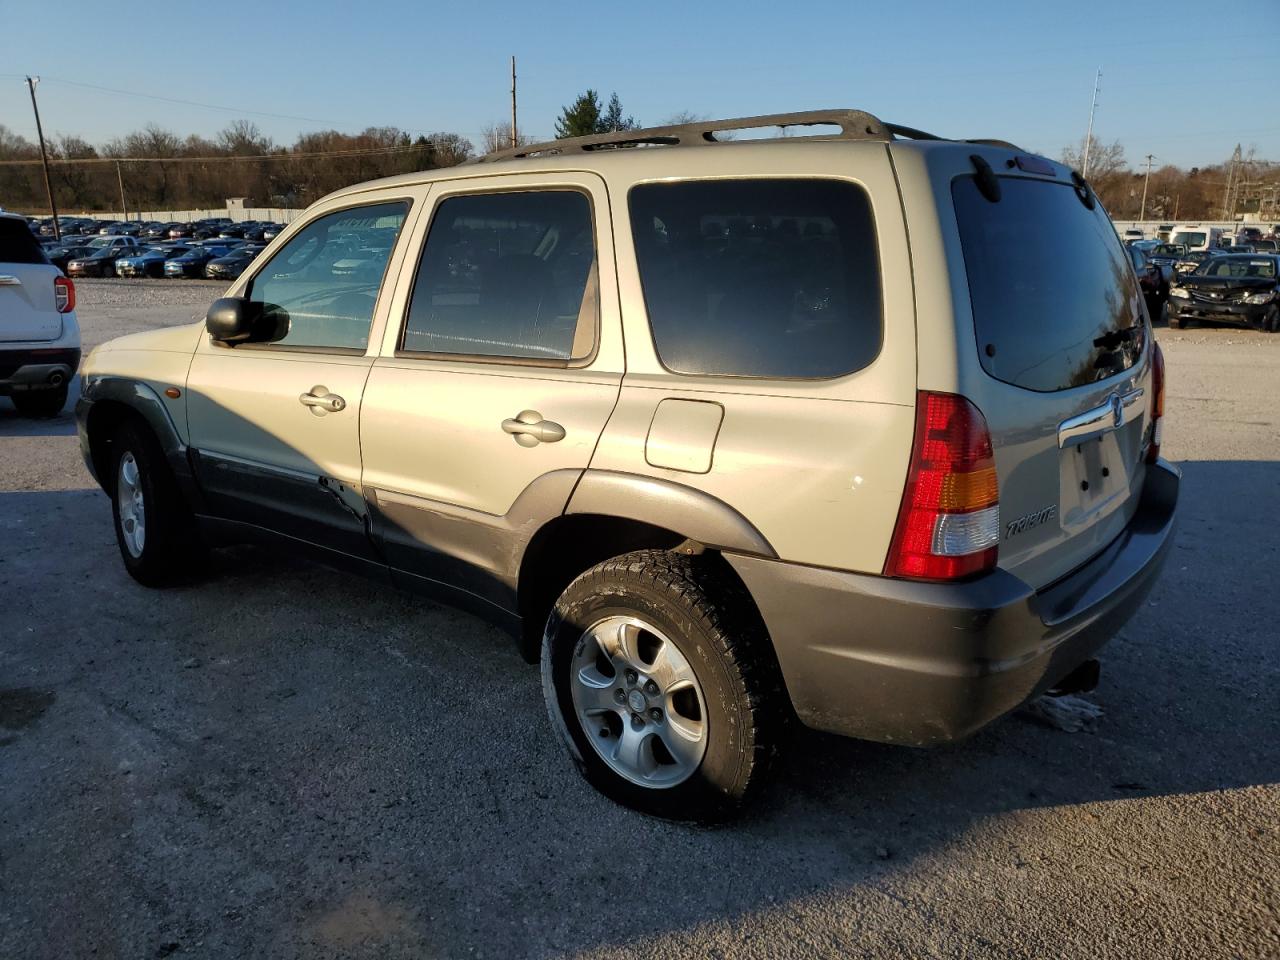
{"points": [[1093, 479]]}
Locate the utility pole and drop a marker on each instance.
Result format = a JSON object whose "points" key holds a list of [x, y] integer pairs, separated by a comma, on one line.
{"points": [[44, 158], [515, 139], [1088, 137], [124, 207], [1145, 182]]}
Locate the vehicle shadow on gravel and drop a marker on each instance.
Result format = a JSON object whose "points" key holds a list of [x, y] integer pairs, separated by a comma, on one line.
{"points": [[14, 424], [285, 760]]}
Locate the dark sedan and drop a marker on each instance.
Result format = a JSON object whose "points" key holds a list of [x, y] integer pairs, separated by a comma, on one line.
{"points": [[1239, 289], [149, 262], [192, 263], [102, 256], [1154, 279], [179, 231], [233, 264], [60, 254]]}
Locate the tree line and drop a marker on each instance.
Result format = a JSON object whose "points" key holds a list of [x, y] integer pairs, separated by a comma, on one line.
{"points": [[161, 170]]}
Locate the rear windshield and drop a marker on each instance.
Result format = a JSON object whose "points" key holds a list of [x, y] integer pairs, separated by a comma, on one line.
{"points": [[1055, 301], [17, 245], [1190, 239], [759, 278]]}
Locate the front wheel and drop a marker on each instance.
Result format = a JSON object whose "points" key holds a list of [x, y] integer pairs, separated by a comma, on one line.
{"points": [[1271, 320], [659, 676], [154, 527]]}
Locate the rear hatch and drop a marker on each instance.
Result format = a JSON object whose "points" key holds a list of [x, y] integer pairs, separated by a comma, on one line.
{"points": [[27, 308], [1056, 354]]}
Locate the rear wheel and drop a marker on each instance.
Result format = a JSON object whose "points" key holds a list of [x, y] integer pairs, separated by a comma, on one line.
{"points": [[41, 403], [154, 528], [658, 674]]}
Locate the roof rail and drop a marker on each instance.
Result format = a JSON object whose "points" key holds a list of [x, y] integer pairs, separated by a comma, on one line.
{"points": [[853, 124]]}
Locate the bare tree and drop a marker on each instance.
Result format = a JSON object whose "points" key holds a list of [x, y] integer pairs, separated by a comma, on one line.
{"points": [[497, 136]]}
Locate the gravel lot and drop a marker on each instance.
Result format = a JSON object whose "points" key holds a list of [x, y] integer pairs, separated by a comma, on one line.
{"points": [[285, 762]]}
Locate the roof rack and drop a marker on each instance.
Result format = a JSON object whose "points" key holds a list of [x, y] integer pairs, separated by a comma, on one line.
{"points": [[853, 124]]}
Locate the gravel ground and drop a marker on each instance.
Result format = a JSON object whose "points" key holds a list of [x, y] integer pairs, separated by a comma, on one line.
{"points": [[285, 762]]}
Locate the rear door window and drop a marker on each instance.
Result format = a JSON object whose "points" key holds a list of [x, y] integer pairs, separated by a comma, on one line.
{"points": [[509, 275], [1055, 301], [759, 278], [17, 245]]}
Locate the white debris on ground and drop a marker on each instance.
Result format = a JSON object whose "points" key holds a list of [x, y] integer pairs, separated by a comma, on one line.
{"points": [[1070, 713]]}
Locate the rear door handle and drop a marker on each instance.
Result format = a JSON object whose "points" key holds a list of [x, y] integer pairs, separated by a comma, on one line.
{"points": [[321, 401], [530, 429]]}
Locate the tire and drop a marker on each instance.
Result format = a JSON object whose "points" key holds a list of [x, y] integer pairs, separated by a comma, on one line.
{"points": [[1271, 320], [1175, 323], [41, 404], [154, 528], [720, 704]]}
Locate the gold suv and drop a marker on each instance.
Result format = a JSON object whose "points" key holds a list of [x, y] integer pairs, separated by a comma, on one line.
{"points": [[857, 426]]}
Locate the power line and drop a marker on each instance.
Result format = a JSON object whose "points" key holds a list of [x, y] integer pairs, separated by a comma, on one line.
{"points": [[255, 157], [192, 103]]}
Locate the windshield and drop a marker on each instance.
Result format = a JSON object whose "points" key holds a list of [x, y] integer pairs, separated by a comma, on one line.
{"points": [[1055, 304], [1239, 267], [1190, 239]]}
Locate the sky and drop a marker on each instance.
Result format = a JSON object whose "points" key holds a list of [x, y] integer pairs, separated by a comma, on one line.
{"points": [[1175, 82]]}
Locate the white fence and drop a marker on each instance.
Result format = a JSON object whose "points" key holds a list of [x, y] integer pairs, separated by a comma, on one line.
{"points": [[236, 213]]}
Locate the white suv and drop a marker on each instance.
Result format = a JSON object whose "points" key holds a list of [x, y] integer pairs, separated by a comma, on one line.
{"points": [[39, 335]]}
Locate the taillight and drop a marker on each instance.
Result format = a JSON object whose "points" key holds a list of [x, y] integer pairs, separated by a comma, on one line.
{"points": [[64, 294], [1157, 404], [949, 523]]}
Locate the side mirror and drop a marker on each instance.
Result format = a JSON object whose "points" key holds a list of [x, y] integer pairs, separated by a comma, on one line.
{"points": [[229, 320]]}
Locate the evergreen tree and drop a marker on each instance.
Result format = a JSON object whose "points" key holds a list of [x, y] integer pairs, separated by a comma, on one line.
{"points": [[581, 118], [585, 116], [613, 120]]}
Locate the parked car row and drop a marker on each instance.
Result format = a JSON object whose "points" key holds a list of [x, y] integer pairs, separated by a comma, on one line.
{"points": [[125, 256], [74, 228]]}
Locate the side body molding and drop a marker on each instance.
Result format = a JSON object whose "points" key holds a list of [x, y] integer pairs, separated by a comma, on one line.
{"points": [[685, 510], [144, 401]]}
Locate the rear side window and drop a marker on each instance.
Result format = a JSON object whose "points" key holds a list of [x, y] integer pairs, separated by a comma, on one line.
{"points": [[1055, 301], [507, 275], [759, 278], [17, 245]]}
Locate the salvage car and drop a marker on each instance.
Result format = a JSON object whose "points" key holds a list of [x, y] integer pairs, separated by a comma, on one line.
{"points": [[859, 427], [1237, 289]]}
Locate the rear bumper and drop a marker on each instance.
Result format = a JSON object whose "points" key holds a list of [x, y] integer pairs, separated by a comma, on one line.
{"points": [[36, 369], [923, 663], [1241, 314]]}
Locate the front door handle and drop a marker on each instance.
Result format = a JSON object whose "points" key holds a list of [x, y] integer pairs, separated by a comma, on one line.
{"points": [[321, 401], [530, 429]]}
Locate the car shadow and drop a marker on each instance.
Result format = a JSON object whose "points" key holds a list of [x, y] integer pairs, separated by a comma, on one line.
{"points": [[14, 424], [288, 727]]}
